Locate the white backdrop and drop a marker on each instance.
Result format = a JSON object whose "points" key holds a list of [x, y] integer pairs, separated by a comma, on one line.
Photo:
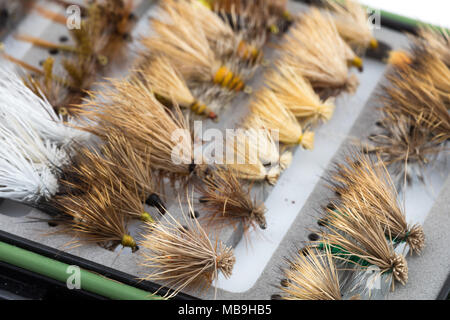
{"points": [[431, 11]]}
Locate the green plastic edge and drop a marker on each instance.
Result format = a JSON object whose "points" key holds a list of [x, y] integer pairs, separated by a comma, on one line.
{"points": [[59, 271]]}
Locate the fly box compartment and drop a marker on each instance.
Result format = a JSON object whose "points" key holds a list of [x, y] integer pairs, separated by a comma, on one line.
{"points": [[292, 204]]}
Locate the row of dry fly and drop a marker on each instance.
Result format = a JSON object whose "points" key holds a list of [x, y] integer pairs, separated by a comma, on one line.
{"points": [[364, 223], [94, 177]]}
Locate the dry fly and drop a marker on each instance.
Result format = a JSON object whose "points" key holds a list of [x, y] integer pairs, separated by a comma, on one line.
{"points": [[242, 156], [297, 94], [399, 58], [405, 146], [412, 95], [416, 122], [225, 42], [35, 112], [28, 164], [107, 24], [94, 217], [254, 19], [135, 171], [351, 20], [184, 257], [130, 107], [315, 48], [168, 86], [226, 200], [186, 45], [267, 109], [362, 182], [312, 275], [120, 172], [430, 72], [103, 191], [426, 62], [33, 145], [101, 37], [356, 235], [437, 40], [268, 148]]}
